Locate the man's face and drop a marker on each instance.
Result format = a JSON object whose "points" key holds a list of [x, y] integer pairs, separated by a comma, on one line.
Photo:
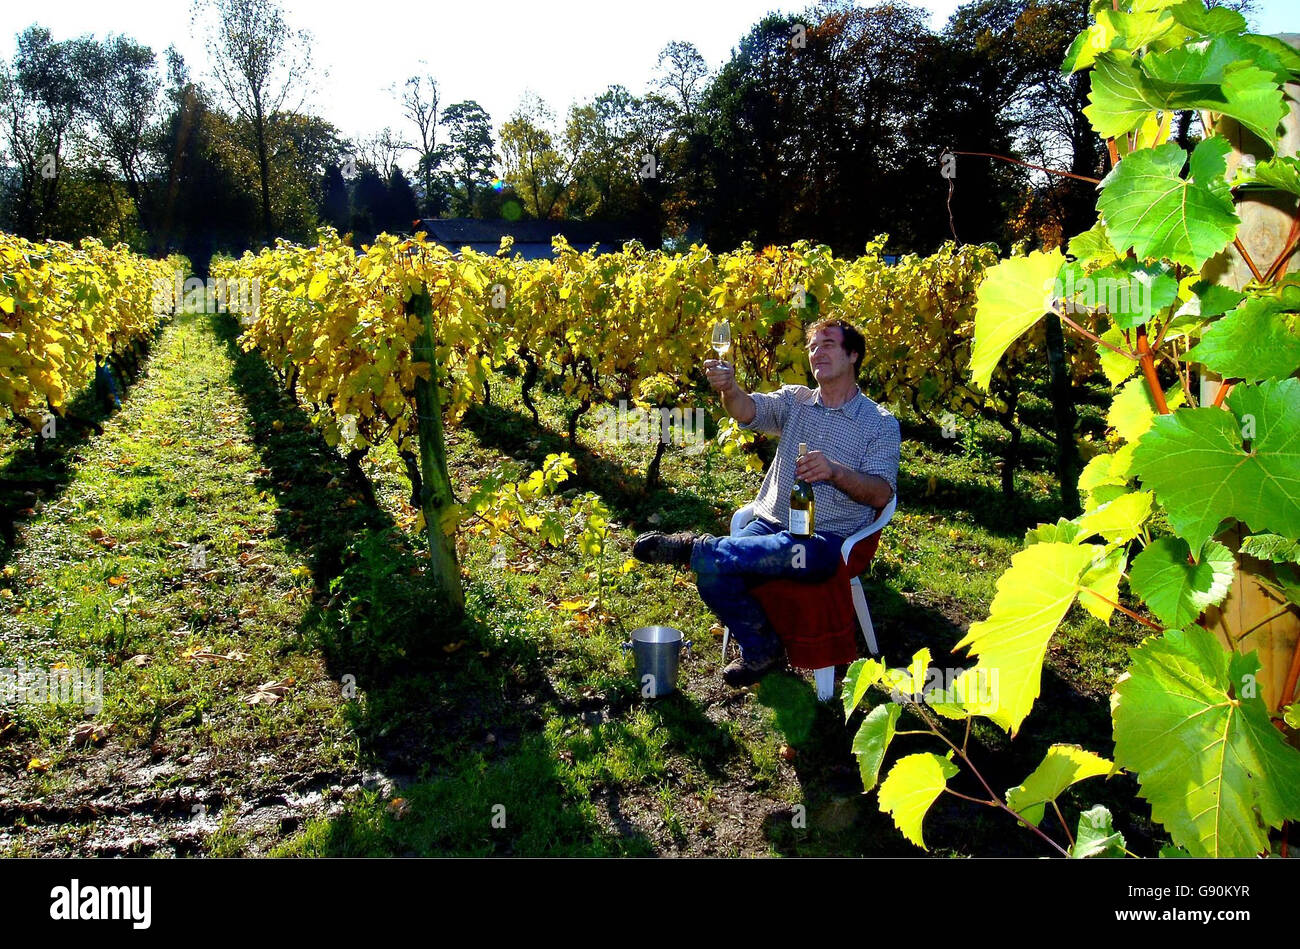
{"points": [[827, 356]]}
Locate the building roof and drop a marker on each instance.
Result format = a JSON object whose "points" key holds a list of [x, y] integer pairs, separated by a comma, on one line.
{"points": [[532, 238]]}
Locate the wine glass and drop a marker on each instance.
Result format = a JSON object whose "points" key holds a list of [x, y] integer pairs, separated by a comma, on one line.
{"points": [[722, 339]]}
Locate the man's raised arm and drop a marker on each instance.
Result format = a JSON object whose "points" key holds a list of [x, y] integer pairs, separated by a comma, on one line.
{"points": [[738, 403]]}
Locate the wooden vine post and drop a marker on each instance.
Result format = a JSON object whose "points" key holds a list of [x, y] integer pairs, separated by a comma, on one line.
{"points": [[435, 496], [1253, 617]]}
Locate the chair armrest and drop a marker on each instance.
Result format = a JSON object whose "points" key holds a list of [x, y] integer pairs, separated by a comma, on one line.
{"points": [[741, 518], [874, 527]]}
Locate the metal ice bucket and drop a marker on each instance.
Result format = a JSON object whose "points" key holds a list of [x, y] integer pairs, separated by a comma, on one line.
{"points": [[657, 650]]}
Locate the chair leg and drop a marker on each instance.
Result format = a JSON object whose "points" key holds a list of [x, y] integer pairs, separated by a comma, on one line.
{"points": [[825, 677], [864, 615]]}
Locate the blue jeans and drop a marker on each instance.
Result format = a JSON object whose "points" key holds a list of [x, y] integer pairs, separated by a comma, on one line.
{"points": [[727, 567]]}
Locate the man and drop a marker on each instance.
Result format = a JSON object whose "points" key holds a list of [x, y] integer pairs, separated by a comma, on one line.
{"points": [[852, 465]]}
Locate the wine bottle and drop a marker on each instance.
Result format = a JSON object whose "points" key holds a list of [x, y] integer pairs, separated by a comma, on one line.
{"points": [[802, 504]]}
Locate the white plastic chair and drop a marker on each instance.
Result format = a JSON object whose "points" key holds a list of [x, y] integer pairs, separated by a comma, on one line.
{"points": [[825, 676]]}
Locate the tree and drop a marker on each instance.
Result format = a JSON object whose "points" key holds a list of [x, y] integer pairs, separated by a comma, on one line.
{"points": [[420, 105], [470, 156], [259, 65], [533, 165], [122, 102], [681, 75], [44, 95], [334, 199]]}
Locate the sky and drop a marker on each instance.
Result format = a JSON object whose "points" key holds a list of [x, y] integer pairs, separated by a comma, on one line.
{"points": [[562, 50]]}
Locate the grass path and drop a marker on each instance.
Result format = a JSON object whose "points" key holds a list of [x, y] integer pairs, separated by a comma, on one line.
{"points": [[166, 565]]}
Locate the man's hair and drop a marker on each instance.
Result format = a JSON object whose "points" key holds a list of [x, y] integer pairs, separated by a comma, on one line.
{"points": [[855, 344]]}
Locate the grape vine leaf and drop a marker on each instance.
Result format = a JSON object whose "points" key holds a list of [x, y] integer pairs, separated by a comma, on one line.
{"points": [[1135, 293], [1116, 366], [1062, 532], [1012, 297], [1281, 172], [1194, 15], [1097, 836], [1252, 343], [1062, 766], [1195, 462], [1118, 520], [1272, 547], [872, 740], [1117, 103], [1133, 410], [1174, 589], [1214, 299], [1291, 715], [1149, 208], [1103, 578], [861, 675], [1092, 246], [909, 789], [1215, 771], [1032, 598]]}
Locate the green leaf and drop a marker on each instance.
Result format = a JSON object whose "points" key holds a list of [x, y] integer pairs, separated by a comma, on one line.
{"points": [[1062, 532], [912, 682], [1136, 30], [1252, 343], [1194, 460], [1117, 102], [1012, 297], [1170, 852], [1253, 97], [1194, 15], [1292, 715], [1281, 173], [1103, 578], [861, 675], [1272, 547], [1119, 520], [1215, 771], [1092, 246], [872, 740], [1032, 598], [1116, 366], [911, 787], [1097, 837], [1149, 208], [1133, 411], [1133, 293], [1176, 590], [1214, 299], [1061, 767]]}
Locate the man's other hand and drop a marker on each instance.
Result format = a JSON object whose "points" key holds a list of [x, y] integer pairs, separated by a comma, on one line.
{"points": [[813, 467], [721, 376]]}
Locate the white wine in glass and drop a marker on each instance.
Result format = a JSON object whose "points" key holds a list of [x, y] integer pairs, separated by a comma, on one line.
{"points": [[722, 339]]}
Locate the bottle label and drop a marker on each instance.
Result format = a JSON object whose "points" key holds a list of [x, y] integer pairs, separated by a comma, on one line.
{"points": [[799, 523]]}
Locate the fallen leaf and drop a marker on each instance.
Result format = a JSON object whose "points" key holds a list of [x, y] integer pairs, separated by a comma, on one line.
{"points": [[398, 807], [97, 532], [787, 753], [38, 765], [268, 693], [116, 581], [89, 733], [140, 660], [452, 647]]}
